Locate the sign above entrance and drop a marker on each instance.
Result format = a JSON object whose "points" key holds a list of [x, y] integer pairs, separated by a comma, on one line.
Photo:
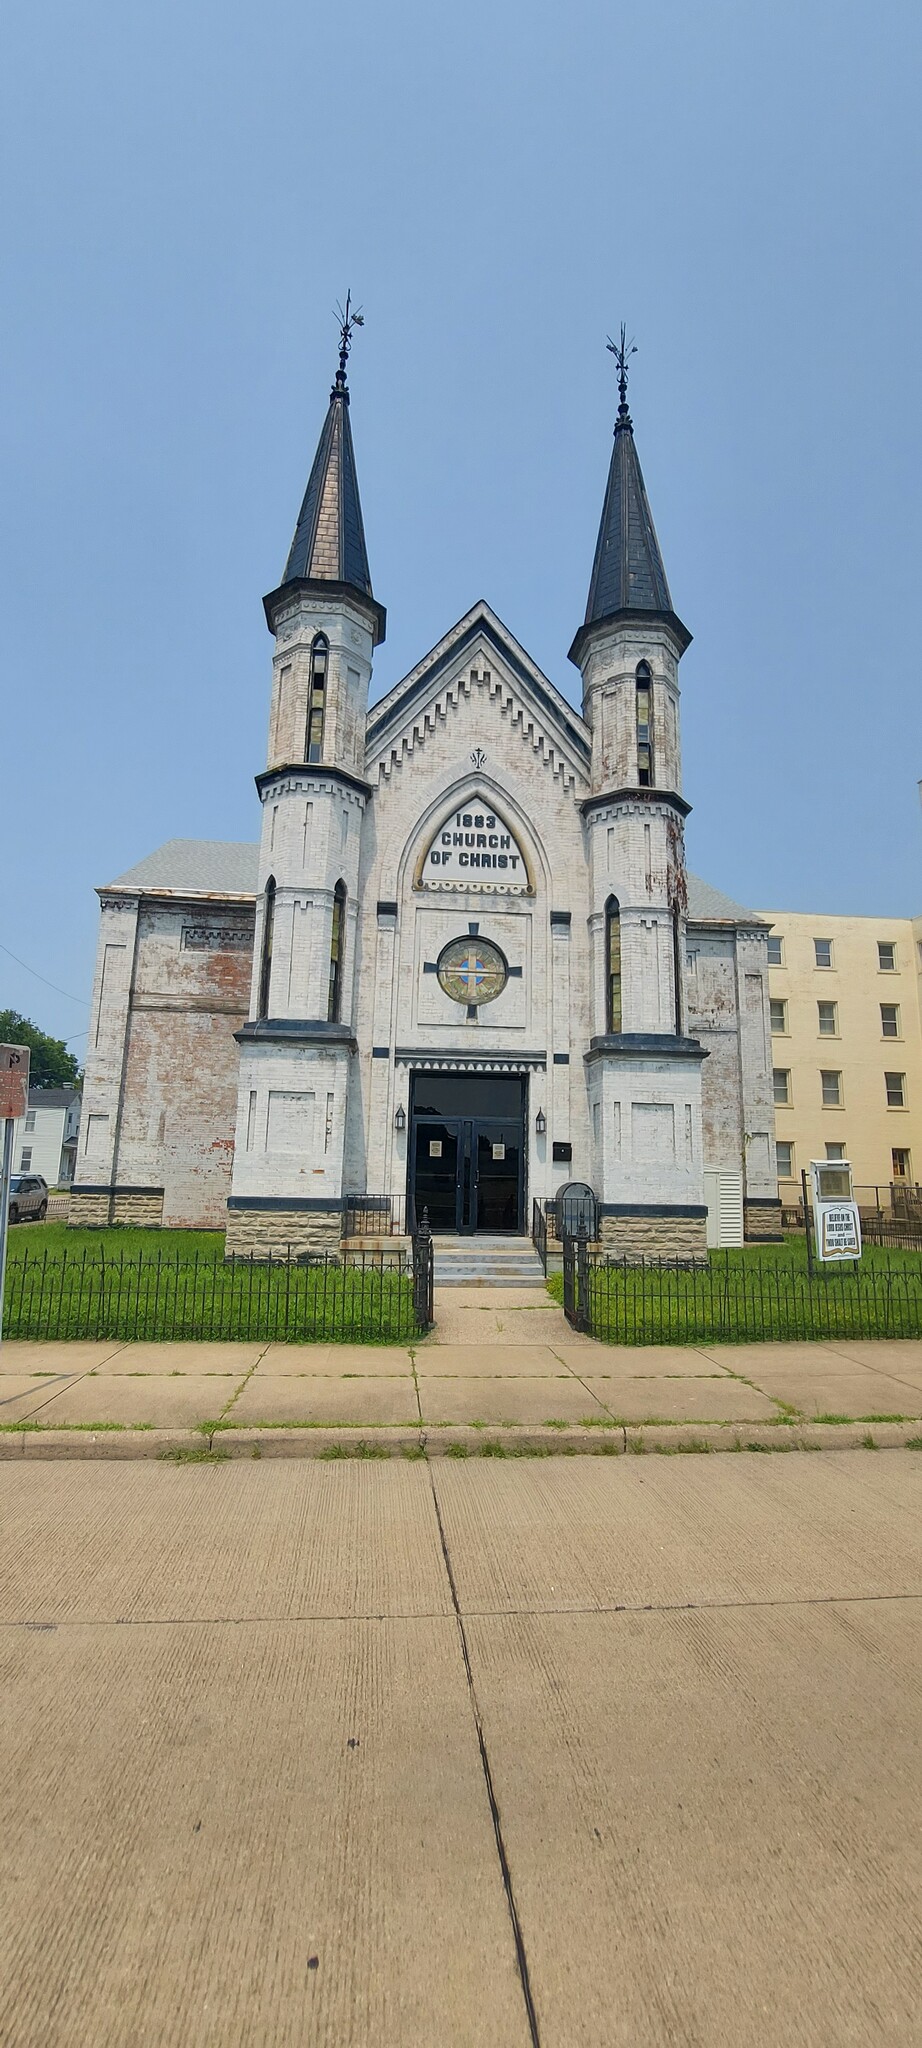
{"points": [[474, 848]]}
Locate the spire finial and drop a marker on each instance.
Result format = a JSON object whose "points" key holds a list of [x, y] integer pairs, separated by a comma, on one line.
{"points": [[348, 320], [622, 351]]}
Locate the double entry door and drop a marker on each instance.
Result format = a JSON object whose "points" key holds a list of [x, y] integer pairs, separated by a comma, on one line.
{"points": [[467, 1151]]}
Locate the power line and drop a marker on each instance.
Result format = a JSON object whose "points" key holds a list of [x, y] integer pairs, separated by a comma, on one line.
{"points": [[43, 977]]}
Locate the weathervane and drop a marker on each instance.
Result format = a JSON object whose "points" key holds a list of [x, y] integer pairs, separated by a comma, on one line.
{"points": [[348, 320], [622, 351]]}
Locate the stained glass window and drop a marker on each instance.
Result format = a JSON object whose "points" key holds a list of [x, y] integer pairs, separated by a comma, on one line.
{"points": [[472, 970]]}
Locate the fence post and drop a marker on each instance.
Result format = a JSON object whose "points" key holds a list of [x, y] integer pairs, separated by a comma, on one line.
{"points": [[422, 1273], [581, 1319]]}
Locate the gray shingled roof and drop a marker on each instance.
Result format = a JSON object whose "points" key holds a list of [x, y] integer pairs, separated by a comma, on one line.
{"points": [[707, 905], [195, 867], [228, 867], [628, 572], [329, 542]]}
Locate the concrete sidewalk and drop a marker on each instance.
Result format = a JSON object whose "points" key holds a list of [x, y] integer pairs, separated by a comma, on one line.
{"points": [[499, 1364], [576, 1753]]}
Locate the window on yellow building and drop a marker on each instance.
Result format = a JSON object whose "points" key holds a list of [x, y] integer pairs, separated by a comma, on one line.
{"points": [[834, 1152], [785, 1157], [896, 1090], [832, 1088], [781, 1084], [828, 1020], [779, 1015], [822, 952], [886, 956], [889, 1020], [775, 949], [901, 1164]]}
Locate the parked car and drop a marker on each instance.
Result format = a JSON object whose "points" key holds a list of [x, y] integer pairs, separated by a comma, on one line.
{"points": [[28, 1198]]}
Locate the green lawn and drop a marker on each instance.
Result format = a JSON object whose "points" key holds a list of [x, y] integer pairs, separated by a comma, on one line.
{"points": [[163, 1284], [760, 1293]]}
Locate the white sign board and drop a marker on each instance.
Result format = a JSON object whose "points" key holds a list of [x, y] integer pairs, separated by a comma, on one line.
{"points": [[14, 1081], [837, 1225], [474, 849]]}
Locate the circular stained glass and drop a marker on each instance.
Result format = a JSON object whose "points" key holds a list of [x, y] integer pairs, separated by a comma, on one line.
{"points": [[472, 971]]}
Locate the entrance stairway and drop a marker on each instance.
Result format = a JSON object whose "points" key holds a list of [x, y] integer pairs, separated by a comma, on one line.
{"points": [[484, 1261]]}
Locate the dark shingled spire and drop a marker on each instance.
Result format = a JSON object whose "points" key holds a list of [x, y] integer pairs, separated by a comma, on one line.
{"points": [[329, 542], [627, 574]]}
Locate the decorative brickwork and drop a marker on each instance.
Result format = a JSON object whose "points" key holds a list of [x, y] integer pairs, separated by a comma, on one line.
{"points": [[261, 1231], [654, 1237]]}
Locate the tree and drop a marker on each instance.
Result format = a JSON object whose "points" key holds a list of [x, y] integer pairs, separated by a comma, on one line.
{"points": [[51, 1065]]}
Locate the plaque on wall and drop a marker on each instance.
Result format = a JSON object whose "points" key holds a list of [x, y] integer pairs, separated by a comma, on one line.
{"points": [[435, 1148], [474, 848]]}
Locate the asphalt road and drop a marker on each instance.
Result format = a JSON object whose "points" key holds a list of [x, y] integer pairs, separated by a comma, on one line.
{"points": [[579, 1752]]}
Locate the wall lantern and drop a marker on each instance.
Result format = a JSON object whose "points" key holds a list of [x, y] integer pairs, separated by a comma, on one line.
{"points": [[400, 1120], [540, 1123]]}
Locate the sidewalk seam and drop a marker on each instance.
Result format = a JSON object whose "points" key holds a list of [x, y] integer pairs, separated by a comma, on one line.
{"points": [[505, 1871]]}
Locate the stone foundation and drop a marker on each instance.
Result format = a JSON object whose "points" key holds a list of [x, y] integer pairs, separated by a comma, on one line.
{"points": [[762, 1222], [649, 1236], [258, 1232], [88, 1211], [99, 1208]]}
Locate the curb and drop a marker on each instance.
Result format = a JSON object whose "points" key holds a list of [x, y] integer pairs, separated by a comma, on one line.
{"points": [[612, 1440]]}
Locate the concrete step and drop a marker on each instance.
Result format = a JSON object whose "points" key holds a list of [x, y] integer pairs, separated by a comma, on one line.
{"points": [[492, 1261]]}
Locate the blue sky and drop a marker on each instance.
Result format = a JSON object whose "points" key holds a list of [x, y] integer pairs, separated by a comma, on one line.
{"points": [[189, 188]]}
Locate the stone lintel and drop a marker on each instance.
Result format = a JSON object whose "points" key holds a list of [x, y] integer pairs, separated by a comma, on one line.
{"points": [[297, 1031], [644, 1045]]}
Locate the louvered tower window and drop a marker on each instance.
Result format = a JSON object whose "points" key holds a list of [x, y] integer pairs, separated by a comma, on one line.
{"points": [[265, 972], [317, 698], [336, 953], [643, 676], [613, 964]]}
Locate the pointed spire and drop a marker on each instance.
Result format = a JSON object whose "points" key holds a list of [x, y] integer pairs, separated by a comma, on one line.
{"points": [[628, 575], [329, 539]]}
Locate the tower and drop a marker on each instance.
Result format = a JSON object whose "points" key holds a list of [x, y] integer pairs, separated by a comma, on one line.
{"points": [[643, 1072], [297, 1045]]}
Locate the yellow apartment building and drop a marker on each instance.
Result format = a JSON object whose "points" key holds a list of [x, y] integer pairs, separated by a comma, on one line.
{"points": [[846, 1024]]}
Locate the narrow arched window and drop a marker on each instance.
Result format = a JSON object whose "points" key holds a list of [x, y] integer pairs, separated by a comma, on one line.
{"points": [[265, 972], [337, 936], [643, 677], [317, 698], [613, 964]]}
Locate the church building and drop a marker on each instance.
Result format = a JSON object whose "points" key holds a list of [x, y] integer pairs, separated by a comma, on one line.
{"points": [[465, 964]]}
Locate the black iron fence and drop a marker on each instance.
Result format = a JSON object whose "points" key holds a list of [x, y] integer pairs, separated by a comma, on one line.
{"points": [[423, 1264], [878, 1204], [371, 1297], [539, 1229], [735, 1298], [376, 1216]]}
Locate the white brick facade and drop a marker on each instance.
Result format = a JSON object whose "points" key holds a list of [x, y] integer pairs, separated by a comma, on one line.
{"points": [[248, 1082]]}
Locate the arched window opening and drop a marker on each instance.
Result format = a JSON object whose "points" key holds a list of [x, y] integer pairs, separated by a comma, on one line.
{"points": [[613, 964], [265, 972], [317, 698], [643, 676], [337, 935]]}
